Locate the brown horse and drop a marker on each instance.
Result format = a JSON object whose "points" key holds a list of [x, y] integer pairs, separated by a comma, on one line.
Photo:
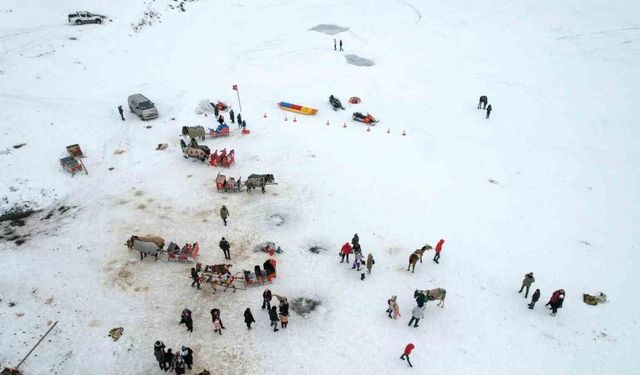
{"points": [[218, 269], [417, 255]]}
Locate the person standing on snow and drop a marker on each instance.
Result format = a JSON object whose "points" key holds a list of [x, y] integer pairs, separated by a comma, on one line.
{"points": [[489, 109], [186, 319], [158, 351], [187, 355], [273, 317], [438, 250], [168, 360], [407, 350], [345, 251], [244, 124], [391, 302], [266, 299], [195, 277], [239, 120], [358, 261], [178, 364], [232, 116], [483, 102], [224, 214], [355, 241], [416, 314], [370, 262], [334, 44], [534, 298], [215, 315], [284, 320], [226, 247], [121, 111], [248, 318], [555, 302], [526, 283], [341, 45], [217, 326]]}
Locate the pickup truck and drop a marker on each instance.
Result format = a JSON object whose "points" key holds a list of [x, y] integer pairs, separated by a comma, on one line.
{"points": [[82, 17]]}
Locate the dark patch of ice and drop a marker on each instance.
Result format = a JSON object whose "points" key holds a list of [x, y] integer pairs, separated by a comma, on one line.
{"points": [[277, 220], [329, 29], [317, 249], [358, 61], [304, 306]]}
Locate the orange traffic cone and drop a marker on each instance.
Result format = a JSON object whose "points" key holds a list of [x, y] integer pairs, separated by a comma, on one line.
{"points": [[344, 125], [294, 119], [327, 122], [265, 115], [388, 130], [285, 118], [403, 133]]}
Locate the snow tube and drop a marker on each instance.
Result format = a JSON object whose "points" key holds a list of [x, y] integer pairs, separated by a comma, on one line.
{"points": [[297, 108], [354, 100]]}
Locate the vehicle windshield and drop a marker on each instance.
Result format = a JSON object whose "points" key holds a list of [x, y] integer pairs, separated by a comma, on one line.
{"points": [[146, 105]]}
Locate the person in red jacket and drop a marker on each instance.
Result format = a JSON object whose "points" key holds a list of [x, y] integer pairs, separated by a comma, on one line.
{"points": [[438, 250], [556, 300], [407, 351], [345, 251]]}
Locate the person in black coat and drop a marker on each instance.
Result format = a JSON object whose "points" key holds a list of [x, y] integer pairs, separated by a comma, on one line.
{"points": [[489, 109], [186, 319], [158, 351], [284, 307], [248, 318], [195, 277], [266, 299], [215, 110], [355, 240], [244, 124], [534, 298], [273, 317], [483, 102], [121, 112], [239, 120], [187, 355], [220, 119], [168, 360], [232, 116], [225, 246]]}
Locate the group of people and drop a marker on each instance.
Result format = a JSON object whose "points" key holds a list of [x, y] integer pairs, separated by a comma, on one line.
{"points": [[555, 302], [242, 124], [283, 305], [483, 103], [354, 247], [170, 361], [335, 45]]}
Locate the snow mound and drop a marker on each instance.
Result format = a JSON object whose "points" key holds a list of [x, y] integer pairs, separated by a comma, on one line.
{"points": [[358, 61], [329, 29]]}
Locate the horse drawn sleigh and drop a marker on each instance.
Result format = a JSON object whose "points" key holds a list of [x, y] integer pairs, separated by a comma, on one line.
{"points": [[230, 184], [223, 159], [154, 245], [198, 132], [220, 275]]}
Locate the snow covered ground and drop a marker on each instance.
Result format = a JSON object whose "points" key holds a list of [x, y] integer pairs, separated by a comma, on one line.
{"points": [[549, 184]]}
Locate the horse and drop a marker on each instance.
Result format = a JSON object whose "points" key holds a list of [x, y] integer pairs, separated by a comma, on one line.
{"points": [[144, 247], [194, 131], [258, 180], [219, 269], [433, 294], [225, 279], [417, 255]]}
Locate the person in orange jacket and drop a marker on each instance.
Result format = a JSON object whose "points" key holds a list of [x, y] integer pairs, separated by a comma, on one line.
{"points": [[438, 250], [407, 351], [345, 251]]}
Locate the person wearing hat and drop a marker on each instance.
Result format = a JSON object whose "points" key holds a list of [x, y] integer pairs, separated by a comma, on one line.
{"points": [[526, 283]]}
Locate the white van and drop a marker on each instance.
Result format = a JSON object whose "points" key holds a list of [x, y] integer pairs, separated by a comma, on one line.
{"points": [[143, 107]]}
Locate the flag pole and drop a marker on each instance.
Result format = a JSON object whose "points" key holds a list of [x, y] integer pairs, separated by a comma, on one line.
{"points": [[235, 87]]}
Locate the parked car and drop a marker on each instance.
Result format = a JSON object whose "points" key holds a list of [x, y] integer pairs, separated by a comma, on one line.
{"points": [[143, 107], [82, 17]]}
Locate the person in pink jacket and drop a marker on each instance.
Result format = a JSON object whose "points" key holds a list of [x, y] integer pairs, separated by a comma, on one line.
{"points": [[438, 250]]}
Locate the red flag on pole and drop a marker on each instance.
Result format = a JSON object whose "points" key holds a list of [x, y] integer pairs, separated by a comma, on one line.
{"points": [[235, 87]]}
